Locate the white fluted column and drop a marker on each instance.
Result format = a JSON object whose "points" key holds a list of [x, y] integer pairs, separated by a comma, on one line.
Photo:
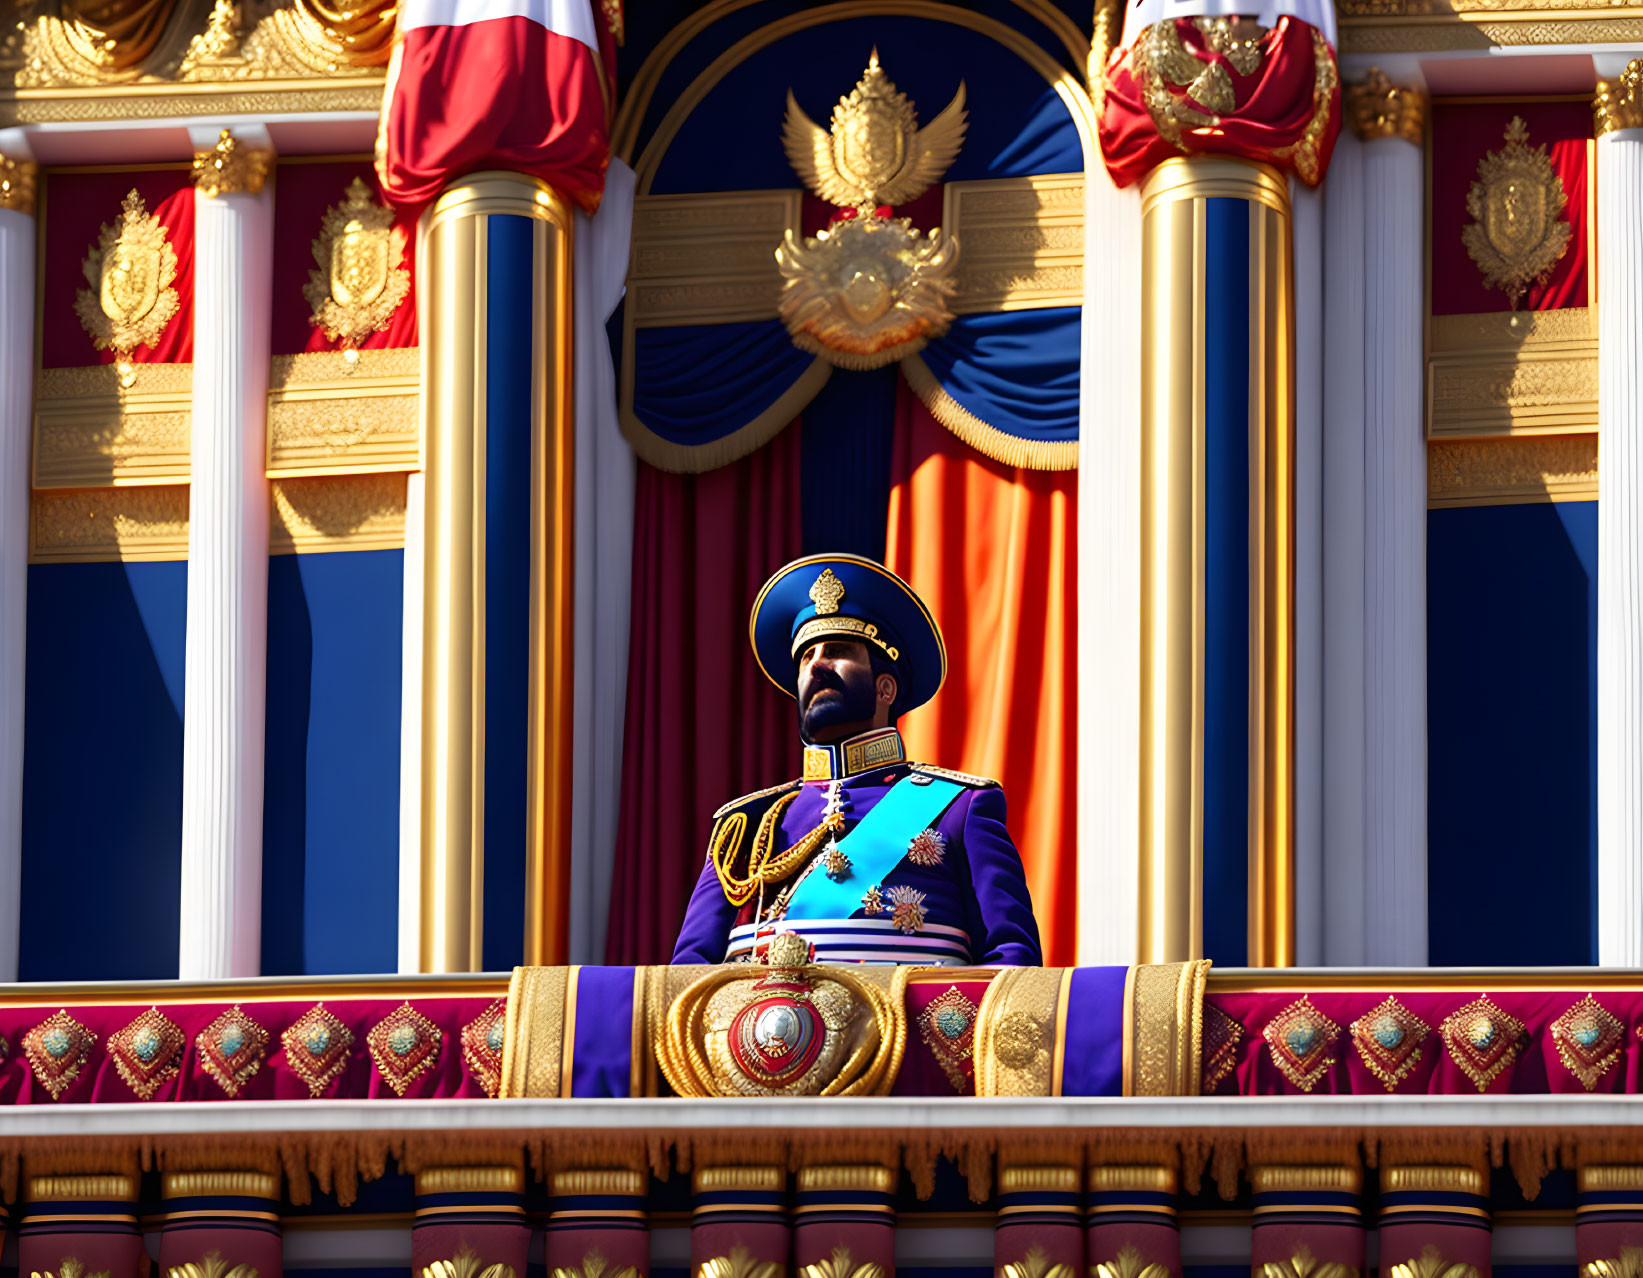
{"points": [[1620, 520], [1343, 556], [17, 240], [227, 631], [1395, 906], [1109, 577]]}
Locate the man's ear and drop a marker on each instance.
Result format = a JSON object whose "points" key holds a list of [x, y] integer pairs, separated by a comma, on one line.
{"points": [[885, 687]]}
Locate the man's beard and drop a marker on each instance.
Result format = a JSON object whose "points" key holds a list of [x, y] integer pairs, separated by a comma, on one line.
{"points": [[850, 702]]}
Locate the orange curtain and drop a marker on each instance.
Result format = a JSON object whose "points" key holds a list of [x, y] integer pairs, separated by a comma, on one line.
{"points": [[992, 549]]}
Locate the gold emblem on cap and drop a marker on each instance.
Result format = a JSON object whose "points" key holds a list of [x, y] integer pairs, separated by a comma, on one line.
{"points": [[826, 593]]}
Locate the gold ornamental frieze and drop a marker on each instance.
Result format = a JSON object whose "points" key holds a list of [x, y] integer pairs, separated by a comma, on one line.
{"points": [[1518, 232], [108, 525], [337, 412], [786, 1027], [131, 269], [1512, 373], [95, 428], [360, 278], [1511, 472], [869, 289], [336, 512]]}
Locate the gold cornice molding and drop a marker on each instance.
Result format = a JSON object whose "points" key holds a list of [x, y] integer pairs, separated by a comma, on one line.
{"points": [[331, 415], [170, 101], [1619, 103], [1517, 28], [230, 168], [1512, 373], [1378, 108], [1511, 472], [17, 184], [92, 432]]}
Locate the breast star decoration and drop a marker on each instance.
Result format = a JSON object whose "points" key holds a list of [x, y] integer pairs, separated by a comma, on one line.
{"points": [[405, 1045], [870, 289]]}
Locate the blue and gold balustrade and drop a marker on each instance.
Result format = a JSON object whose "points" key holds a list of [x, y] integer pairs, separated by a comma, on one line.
{"points": [[495, 314], [1217, 546]]}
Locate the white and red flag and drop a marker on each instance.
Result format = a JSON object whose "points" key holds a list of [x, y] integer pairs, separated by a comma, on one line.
{"points": [[496, 84]]}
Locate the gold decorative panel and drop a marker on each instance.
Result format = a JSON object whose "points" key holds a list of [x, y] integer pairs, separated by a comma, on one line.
{"points": [[1020, 240], [101, 525], [708, 259], [1507, 472], [336, 512], [1529, 372], [90, 432], [1426, 26], [324, 419]]}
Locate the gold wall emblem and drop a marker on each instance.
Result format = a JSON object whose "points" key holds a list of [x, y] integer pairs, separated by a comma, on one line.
{"points": [[130, 269], [361, 279], [1518, 232], [869, 289]]}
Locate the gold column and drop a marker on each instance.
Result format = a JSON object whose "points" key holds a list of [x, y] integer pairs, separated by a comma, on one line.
{"points": [[1174, 392], [454, 344]]}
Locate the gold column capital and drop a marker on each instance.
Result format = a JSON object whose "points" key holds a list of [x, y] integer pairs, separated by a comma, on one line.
{"points": [[1153, 1178], [1619, 103], [1378, 109], [214, 1184], [230, 168], [470, 1180], [1609, 1177], [17, 184]]}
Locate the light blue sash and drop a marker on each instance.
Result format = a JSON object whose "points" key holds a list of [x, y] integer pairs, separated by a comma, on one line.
{"points": [[874, 847]]}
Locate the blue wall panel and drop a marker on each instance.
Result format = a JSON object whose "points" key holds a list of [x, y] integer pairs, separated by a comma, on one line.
{"points": [[1226, 582], [103, 771], [511, 272], [330, 867], [1512, 707]]}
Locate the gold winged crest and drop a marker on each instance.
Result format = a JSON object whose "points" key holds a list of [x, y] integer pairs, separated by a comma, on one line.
{"points": [[875, 152], [130, 270], [1518, 231], [360, 280]]}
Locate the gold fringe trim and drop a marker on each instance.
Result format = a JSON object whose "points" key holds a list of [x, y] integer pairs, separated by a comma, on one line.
{"points": [[337, 1162], [989, 441], [695, 459]]}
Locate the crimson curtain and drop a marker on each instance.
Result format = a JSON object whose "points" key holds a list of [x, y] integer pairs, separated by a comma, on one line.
{"points": [[703, 726]]}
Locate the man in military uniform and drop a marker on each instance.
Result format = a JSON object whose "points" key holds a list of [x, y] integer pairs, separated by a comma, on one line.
{"points": [[868, 857]]}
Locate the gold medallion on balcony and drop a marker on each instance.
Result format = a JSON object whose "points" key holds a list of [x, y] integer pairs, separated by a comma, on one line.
{"points": [[361, 278], [869, 289], [130, 269], [1518, 231], [785, 1027]]}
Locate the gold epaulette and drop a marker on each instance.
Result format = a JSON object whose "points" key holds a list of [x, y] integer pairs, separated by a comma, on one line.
{"points": [[757, 794], [963, 778]]}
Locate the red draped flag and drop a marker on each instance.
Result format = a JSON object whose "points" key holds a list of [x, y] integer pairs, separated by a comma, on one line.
{"points": [[496, 84]]}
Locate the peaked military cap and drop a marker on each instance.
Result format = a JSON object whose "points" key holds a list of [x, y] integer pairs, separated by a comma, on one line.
{"points": [[847, 597]]}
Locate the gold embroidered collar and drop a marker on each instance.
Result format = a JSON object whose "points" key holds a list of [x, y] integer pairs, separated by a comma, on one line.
{"points": [[879, 748]]}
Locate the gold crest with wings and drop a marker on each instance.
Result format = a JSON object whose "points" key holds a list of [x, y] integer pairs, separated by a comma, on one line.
{"points": [[875, 153]]}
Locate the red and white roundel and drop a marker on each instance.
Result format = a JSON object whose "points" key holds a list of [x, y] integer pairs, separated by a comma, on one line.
{"points": [[775, 1039]]}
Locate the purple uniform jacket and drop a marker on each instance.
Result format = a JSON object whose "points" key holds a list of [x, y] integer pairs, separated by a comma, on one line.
{"points": [[978, 887]]}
